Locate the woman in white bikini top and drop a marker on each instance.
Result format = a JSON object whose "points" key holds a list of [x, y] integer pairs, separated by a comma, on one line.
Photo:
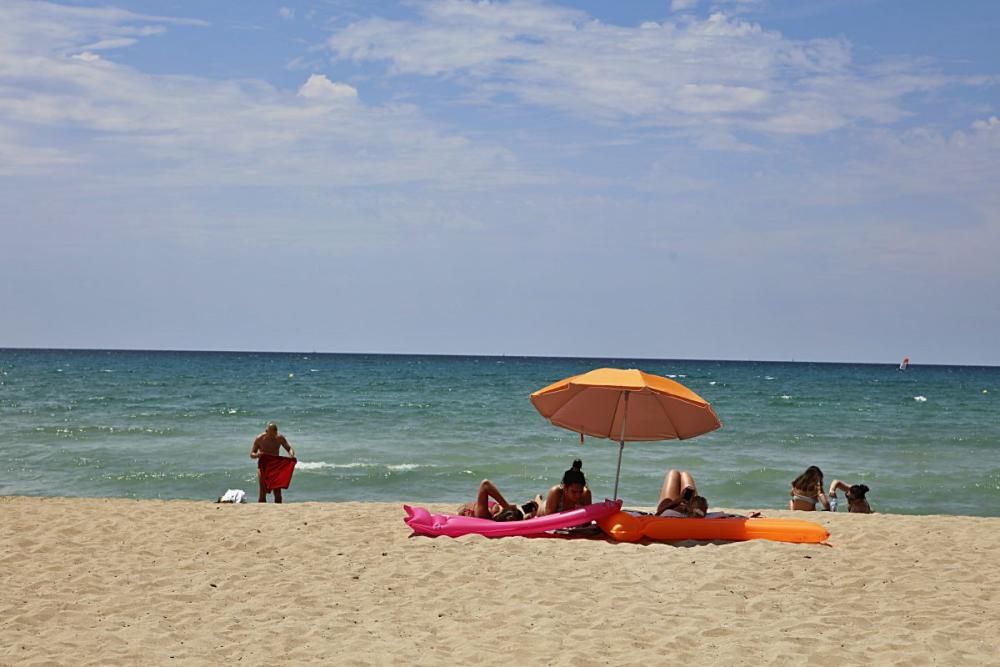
{"points": [[807, 490]]}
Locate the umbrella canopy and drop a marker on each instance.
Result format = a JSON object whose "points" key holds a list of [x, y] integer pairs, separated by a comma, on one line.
{"points": [[627, 406]]}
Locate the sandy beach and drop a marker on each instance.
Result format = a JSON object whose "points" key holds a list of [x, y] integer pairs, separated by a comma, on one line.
{"points": [[113, 581]]}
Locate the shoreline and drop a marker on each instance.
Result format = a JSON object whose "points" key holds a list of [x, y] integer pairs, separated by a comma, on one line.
{"points": [[449, 507], [111, 580]]}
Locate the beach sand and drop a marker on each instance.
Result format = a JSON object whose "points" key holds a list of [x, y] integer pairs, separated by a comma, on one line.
{"points": [[113, 581]]}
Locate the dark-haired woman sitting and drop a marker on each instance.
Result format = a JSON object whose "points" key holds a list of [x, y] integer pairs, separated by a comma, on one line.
{"points": [[570, 494], [490, 504]]}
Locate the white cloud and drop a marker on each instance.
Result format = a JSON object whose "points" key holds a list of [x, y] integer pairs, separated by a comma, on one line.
{"points": [[287, 13], [189, 130], [320, 87], [989, 125], [116, 43], [695, 73], [21, 155]]}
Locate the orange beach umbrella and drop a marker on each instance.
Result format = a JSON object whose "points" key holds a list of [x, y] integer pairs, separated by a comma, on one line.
{"points": [[625, 405]]}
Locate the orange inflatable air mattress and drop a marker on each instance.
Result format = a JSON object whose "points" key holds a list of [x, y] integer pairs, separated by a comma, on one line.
{"points": [[625, 527]]}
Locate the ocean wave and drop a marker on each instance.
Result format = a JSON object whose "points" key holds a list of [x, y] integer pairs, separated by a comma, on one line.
{"points": [[920, 399], [323, 465], [406, 466]]}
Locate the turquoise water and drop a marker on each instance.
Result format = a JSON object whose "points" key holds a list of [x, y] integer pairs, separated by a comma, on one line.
{"points": [[428, 428]]}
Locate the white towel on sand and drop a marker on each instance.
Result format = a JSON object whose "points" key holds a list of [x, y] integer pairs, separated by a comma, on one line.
{"points": [[233, 496]]}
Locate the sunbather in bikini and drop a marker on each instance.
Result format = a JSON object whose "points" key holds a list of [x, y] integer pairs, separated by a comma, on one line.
{"points": [[573, 492], [490, 504], [807, 490], [679, 496]]}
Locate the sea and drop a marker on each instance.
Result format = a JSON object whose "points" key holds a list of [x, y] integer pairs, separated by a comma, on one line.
{"points": [[427, 429]]}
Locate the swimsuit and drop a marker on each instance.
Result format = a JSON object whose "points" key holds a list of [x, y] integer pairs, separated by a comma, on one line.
{"points": [[805, 499]]}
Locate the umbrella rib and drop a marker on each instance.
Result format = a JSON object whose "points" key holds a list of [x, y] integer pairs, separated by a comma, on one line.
{"points": [[670, 421]]}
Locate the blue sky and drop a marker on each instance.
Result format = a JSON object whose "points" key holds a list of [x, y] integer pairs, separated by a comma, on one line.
{"points": [[740, 179]]}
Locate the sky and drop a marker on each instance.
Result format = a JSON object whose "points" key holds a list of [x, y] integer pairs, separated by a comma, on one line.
{"points": [[741, 179]]}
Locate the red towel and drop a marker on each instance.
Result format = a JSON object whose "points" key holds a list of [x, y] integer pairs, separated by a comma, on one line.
{"points": [[276, 471]]}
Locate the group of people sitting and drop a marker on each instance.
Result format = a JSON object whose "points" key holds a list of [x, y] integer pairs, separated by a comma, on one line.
{"points": [[807, 492], [678, 497]]}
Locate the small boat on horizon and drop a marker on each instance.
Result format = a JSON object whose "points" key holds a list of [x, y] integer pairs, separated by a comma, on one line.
{"points": [[904, 364]]}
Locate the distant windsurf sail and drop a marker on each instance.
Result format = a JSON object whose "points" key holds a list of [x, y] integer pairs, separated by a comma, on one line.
{"points": [[904, 364]]}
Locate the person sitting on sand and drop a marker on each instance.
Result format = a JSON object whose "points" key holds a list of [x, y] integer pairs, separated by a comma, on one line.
{"points": [[807, 490], [856, 501], [570, 494], [679, 496], [498, 508]]}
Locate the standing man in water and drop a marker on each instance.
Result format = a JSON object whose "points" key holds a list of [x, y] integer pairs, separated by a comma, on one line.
{"points": [[274, 472]]}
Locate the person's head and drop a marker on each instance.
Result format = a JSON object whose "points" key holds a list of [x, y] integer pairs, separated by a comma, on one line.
{"points": [[810, 480], [857, 492], [698, 507], [509, 514], [856, 501], [573, 482], [529, 509], [272, 428]]}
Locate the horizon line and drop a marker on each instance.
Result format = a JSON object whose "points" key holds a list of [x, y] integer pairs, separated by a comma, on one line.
{"points": [[486, 356]]}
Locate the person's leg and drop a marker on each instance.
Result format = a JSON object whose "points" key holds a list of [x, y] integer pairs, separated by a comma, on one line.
{"points": [[670, 492], [687, 482], [262, 496], [671, 489], [277, 495], [487, 490]]}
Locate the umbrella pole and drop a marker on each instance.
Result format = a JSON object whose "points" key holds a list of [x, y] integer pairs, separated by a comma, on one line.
{"points": [[621, 445]]}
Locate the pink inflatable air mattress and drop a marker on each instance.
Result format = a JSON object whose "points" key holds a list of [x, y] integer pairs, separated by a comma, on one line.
{"points": [[424, 523]]}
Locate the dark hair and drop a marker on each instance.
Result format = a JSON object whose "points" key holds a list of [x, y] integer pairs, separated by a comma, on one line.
{"points": [[857, 492], [509, 514], [529, 507], [810, 480], [575, 474]]}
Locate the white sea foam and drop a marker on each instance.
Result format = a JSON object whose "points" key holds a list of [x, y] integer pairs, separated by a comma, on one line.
{"points": [[768, 377], [405, 466], [785, 396], [920, 399], [323, 465]]}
